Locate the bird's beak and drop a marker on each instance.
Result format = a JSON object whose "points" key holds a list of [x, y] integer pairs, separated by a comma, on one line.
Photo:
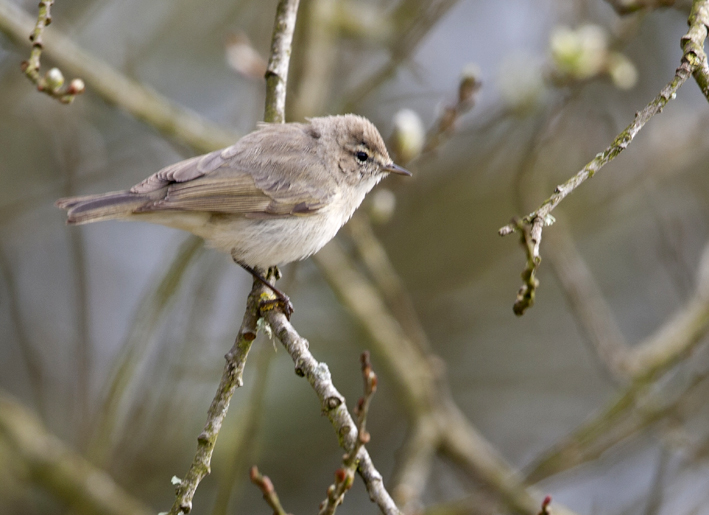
{"points": [[392, 168]]}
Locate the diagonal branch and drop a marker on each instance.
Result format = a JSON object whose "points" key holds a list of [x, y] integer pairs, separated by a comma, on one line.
{"points": [[231, 380], [694, 62], [333, 406]]}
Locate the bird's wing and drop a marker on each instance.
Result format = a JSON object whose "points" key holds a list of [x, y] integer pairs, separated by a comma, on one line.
{"points": [[268, 173]]}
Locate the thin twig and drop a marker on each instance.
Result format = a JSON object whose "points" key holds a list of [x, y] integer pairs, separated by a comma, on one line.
{"points": [[242, 450], [619, 144], [265, 484], [530, 240], [53, 81], [468, 88]]}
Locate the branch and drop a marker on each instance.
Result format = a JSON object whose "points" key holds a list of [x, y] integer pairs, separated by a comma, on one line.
{"points": [[333, 406], [619, 144], [693, 62], [530, 240], [277, 72], [53, 81], [59, 469], [420, 385], [232, 378], [276, 78]]}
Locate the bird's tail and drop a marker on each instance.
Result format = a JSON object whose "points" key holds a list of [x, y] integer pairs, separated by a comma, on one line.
{"points": [[105, 206]]}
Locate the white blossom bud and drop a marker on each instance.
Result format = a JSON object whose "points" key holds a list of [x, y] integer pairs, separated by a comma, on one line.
{"points": [[408, 137], [54, 78], [382, 205], [622, 71]]}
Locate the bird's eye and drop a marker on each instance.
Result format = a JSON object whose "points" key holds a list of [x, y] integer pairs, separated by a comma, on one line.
{"points": [[361, 156]]}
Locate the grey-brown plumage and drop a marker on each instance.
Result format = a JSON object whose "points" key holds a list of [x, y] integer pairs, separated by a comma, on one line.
{"points": [[277, 195]]}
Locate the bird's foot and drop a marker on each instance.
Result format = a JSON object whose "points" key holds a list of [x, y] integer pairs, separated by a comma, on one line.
{"points": [[267, 303]]}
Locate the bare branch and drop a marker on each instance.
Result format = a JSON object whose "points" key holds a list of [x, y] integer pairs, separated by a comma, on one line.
{"points": [[468, 88], [530, 240], [277, 72], [693, 62], [333, 406], [619, 144], [232, 378]]}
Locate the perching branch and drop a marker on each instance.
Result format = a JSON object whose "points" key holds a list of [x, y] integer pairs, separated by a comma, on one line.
{"points": [[277, 72], [693, 61], [232, 378], [53, 81]]}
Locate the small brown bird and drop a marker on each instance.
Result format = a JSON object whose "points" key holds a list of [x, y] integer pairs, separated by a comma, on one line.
{"points": [[277, 195]]}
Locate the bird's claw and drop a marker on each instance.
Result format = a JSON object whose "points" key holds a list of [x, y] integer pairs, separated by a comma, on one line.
{"points": [[284, 302]]}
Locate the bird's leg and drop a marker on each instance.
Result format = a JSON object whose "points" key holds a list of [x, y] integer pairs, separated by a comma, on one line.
{"points": [[281, 299]]}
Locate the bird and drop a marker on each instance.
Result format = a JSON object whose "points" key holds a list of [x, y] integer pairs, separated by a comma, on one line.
{"points": [[277, 195]]}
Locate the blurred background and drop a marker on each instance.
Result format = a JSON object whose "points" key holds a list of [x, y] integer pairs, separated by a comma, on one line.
{"points": [[113, 334]]}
